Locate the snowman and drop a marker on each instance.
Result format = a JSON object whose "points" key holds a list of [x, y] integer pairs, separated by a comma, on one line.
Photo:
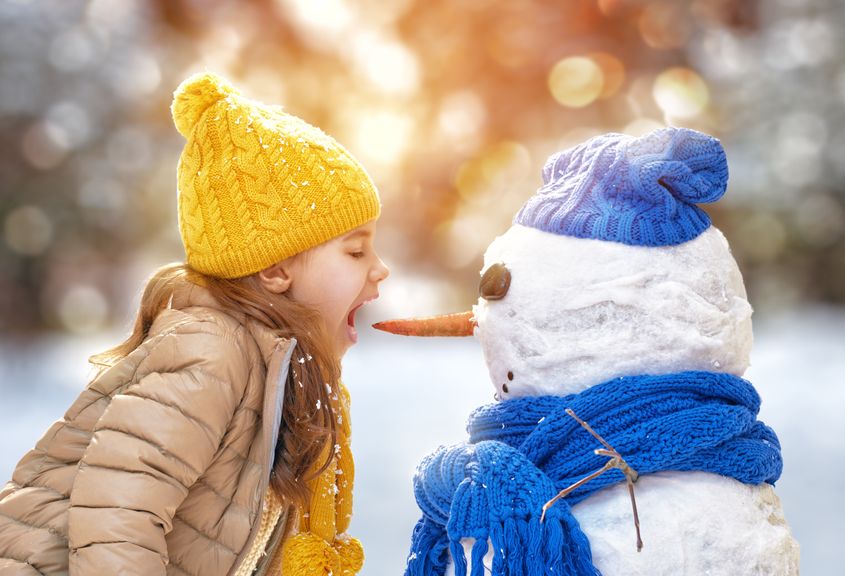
{"points": [[616, 329]]}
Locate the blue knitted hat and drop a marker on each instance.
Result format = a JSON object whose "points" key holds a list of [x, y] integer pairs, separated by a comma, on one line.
{"points": [[637, 191]]}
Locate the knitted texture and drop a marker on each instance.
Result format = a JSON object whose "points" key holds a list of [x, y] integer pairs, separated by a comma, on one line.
{"points": [[637, 191], [270, 515], [322, 547], [522, 452], [257, 185]]}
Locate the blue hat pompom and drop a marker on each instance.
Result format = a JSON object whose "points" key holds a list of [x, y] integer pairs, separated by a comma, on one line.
{"points": [[638, 191]]}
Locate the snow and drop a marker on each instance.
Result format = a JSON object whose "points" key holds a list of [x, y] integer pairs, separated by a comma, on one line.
{"points": [[410, 395]]}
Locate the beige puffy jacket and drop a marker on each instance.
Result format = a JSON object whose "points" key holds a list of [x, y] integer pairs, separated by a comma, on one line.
{"points": [[161, 465]]}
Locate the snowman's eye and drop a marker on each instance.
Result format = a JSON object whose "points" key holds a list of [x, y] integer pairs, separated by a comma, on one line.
{"points": [[495, 282]]}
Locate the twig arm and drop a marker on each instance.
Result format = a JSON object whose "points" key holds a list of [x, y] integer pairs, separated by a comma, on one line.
{"points": [[565, 492], [615, 461], [589, 429]]}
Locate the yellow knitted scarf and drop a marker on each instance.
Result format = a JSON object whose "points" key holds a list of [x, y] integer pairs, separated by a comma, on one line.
{"points": [[322, 547]]}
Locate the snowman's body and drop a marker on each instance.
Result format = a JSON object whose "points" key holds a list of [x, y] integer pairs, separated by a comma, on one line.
{"points": [[569, 322], [692, 523]]}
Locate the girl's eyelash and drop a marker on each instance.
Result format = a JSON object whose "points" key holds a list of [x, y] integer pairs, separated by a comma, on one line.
{"points": [[357, 254]]}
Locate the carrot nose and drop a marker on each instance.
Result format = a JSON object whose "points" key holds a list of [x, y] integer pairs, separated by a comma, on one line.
{"points": [[458, 324]]}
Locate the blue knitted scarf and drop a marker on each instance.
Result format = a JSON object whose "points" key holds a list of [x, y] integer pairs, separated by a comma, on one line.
{"points": [[522, 452]]}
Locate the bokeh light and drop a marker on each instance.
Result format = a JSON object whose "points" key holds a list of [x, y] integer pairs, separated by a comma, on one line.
{"points": [[72, 50], [797, 151], [381, 136], [576, 81], [388, 64], [724, 55], [462, 114], [83, 309], [28, 230], [319, 16], [681, 93], [45, 144], [797, 42], [73, 120]]}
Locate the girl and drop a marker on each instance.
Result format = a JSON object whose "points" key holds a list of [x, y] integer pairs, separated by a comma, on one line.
{"points": [[215, 439]]}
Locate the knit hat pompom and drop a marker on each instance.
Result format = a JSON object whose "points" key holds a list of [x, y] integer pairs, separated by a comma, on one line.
{"points": [[688, 164], [195, 95], [696, 169], [638, 191]]}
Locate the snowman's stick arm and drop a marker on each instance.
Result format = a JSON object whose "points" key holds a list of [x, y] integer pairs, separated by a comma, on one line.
{"points": [[589, 429], [619, 462], [636, 516], [616, 461], [630, 477], [565, 492]]}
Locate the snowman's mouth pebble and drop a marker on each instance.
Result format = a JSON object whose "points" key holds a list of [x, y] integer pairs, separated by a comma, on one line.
{"points": [[510, 378]]}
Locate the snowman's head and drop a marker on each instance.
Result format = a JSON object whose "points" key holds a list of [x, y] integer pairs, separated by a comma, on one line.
{"points": [[578, 312], [611, 270]]}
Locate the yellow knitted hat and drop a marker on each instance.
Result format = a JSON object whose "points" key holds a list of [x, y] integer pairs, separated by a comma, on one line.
{"points": [[257, 185]]}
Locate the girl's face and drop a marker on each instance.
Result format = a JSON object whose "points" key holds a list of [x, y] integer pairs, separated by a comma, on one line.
{"points": [[336, 278]]}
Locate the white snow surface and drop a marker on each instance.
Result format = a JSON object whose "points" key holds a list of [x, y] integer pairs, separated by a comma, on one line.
{"points": [[583, 311]]}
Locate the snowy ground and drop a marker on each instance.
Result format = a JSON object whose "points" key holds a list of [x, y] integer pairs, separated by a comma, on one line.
{"points": [[411, 395]]}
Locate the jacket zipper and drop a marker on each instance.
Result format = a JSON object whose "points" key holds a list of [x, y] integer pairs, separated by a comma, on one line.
{"points": [[268, 434]]}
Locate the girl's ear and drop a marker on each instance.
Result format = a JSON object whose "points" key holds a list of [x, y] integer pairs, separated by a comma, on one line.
{"points": [[278, 277]]}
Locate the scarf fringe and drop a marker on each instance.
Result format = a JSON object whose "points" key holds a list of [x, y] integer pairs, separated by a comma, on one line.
{"points": [[432, 539], [555, 546]]}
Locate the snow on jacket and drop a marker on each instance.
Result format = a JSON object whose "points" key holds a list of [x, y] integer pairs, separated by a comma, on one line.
{"points": [[161, 464]]}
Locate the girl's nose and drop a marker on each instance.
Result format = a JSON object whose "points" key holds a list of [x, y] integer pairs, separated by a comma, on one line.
{"points": [[380, 271]]}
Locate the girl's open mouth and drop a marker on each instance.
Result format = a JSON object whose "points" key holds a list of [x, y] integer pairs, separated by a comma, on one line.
{"points": [[351, 331]]}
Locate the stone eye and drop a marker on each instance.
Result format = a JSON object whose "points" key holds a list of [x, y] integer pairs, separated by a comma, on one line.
{"points": [[495, 282]]}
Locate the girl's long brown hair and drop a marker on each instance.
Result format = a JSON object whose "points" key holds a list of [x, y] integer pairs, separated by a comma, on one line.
{"points": [[307, 421]]}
